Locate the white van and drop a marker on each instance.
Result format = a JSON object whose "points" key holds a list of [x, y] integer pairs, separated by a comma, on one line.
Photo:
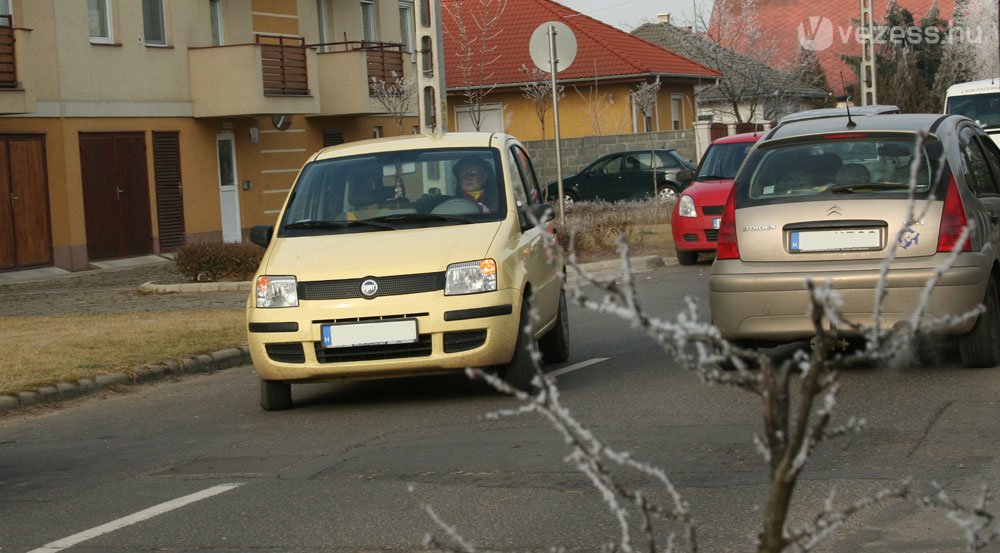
{"points": [[979, 101]]}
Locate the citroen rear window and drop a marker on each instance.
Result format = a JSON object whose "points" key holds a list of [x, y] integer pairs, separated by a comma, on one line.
{"points": [[847, 165]]}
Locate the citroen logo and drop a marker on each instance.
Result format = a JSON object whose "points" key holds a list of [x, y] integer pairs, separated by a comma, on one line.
{"points": [[834, 210], [369, 287]]}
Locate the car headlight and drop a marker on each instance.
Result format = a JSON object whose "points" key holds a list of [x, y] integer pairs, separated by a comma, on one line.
{"points": [[471, 277], [277, 291], [685, 208]]}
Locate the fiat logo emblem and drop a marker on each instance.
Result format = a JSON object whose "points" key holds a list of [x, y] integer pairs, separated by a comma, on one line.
{"points": [[369, 287]]}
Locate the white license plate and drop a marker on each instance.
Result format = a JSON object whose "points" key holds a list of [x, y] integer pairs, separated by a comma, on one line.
{"points": [[835, 240], [370, 334], [715, 223]]}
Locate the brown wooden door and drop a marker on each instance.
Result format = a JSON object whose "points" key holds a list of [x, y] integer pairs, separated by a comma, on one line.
{"points": [[169, 191], [25, 232], [115, 194]]}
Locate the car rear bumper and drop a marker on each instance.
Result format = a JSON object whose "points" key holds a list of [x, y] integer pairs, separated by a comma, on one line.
{"points": [[467, 331], [756, 302]]}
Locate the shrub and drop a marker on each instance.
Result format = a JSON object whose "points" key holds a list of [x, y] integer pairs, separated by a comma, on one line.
{"points": [[596, 226], [215, 261]]}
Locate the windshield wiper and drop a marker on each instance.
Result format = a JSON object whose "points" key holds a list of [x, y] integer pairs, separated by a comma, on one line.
{"points": [[711, 177], [309, 224], [423, 217], [848, 188]]}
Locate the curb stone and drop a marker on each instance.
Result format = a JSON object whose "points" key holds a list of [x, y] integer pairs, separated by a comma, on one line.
{"points": [[224, 359]]}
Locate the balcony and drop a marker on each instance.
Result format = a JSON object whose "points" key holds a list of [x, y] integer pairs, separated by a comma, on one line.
{"points": [[274, 75], [346, 70], [14, 98]]}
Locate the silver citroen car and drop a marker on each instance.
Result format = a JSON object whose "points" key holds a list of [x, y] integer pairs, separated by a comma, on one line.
{"points": [[826, 196]]}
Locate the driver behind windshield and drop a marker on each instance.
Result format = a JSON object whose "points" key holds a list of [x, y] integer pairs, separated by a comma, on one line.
{"points": [[474, 183]]}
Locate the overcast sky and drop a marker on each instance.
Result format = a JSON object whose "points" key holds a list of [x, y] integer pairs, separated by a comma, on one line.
{"points": [[628, 14]]}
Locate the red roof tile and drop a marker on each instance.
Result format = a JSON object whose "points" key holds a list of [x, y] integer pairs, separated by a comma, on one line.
{"points": [[602, 50], [780, 21]]}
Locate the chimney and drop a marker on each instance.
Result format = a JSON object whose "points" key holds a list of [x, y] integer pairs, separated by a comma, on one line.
{"points": [[663, 18]]}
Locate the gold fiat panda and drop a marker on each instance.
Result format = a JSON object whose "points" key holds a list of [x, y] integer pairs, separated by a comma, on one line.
{"points": [[406, 256]]}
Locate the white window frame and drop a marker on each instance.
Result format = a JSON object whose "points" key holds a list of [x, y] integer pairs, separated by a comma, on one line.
{"points": [[105, 7], [677, 115], [215, 20], [369, 21], [323, 15], [162, 40], [406, 26]]}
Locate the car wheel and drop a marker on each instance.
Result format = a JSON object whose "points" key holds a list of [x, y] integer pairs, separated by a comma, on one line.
{"points": [[686, 258], [555, 344], [980, 347], [668, 192], [275, 395], [568, 200], [520, 371]]}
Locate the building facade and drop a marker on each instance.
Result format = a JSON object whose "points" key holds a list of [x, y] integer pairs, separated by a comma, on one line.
{"points": [[128, 127]]}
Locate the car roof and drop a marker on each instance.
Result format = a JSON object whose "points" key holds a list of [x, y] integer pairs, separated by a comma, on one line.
{"points": [[739, 138], [413, 142], [908, 122], [974, 87]]}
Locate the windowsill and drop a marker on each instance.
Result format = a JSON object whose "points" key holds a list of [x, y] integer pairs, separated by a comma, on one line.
{"points": [[161, 46], [115, 44]]}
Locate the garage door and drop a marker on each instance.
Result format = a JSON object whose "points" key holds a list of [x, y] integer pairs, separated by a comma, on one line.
{"points": [[25, 233], [115, 194]]}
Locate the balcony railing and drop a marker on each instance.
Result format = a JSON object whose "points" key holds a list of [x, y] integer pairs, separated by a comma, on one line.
{"points": [[383, 58], [283, 65], [8, 62]]}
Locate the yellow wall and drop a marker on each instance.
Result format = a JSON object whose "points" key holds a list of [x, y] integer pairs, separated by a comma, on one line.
{"points": [[583, 111]]}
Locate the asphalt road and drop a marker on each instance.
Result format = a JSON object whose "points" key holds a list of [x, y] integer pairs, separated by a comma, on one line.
{"points": [[195, 465]]}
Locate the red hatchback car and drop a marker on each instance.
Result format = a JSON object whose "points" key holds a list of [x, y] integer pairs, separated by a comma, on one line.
{"points": [[695, 222]]}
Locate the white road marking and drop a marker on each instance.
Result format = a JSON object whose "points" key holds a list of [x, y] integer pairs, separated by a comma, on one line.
{"points": [[578, 366], [129, 520]]}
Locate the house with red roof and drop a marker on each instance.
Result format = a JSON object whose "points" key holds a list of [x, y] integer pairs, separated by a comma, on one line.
{"points": [[487, 54], [828, 28]]}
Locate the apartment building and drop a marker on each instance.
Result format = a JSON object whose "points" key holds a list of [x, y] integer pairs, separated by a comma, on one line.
{"points": [[128, 127]]}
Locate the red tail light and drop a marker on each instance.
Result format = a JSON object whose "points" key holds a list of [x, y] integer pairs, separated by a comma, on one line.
{"points": [[727, 246], [953, 220]]}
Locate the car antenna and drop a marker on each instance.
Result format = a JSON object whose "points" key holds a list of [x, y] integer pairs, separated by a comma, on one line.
{"points": [[847, 103]]}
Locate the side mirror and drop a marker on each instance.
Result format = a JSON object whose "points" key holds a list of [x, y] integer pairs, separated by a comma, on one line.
{"points": [[261, 235], [542, 213], [685, 175]]}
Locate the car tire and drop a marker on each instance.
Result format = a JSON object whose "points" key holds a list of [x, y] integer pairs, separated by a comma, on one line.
{"points": [[686, 257], [669, 192], [520, 371], [555, 344], [980, 347], [568, 200], [275, 395]]}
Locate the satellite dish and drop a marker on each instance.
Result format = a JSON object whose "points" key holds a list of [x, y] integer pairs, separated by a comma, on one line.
{"points": [[281, 122]]}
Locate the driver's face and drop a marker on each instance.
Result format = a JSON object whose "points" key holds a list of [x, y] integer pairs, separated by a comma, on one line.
{"points": [[472, 178]]}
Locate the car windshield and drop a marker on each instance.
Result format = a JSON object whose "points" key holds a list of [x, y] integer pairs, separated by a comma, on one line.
{"points": [[981, 108], [857, 165], [722, 161], [396, 190]]}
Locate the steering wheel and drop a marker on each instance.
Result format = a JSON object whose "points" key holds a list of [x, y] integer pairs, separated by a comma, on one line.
{"points": [[457, 206]]}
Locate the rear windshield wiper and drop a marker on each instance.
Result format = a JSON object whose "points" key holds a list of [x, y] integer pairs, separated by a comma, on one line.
{"points": [[423, 217], [848, 188], [309, 224]]}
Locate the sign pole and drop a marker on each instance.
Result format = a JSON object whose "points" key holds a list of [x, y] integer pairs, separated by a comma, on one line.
{"points": [[553, 60]]}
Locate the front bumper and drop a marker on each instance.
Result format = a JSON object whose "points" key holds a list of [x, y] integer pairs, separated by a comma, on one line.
{"points": [[454, 332], [695, 234], [770, 301]]}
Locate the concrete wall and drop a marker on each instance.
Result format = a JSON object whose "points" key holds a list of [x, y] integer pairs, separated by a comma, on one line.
{"points": [[578, 152]]}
